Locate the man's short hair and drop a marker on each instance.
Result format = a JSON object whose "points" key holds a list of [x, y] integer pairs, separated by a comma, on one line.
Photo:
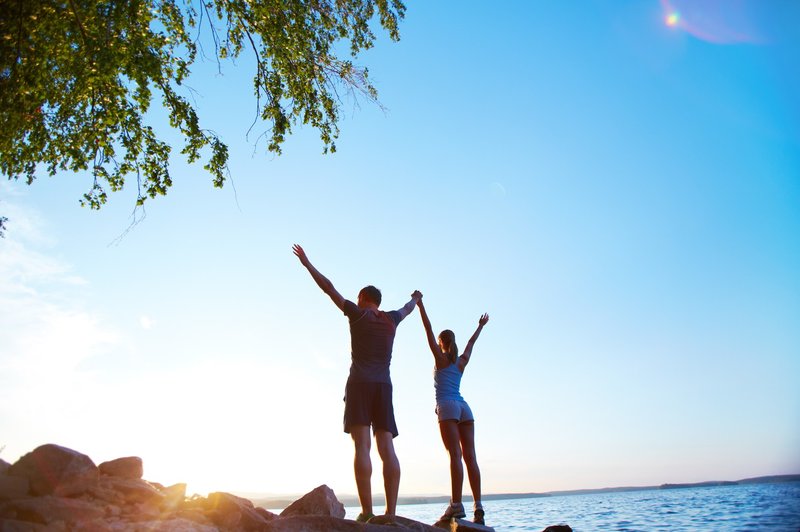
{"points": [[371, 293]]}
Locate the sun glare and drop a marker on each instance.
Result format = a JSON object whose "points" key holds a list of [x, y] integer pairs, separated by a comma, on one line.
{"points": [[672, 19]]}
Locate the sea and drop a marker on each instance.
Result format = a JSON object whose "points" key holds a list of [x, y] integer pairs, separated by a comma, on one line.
{"points": [[740, 507]]}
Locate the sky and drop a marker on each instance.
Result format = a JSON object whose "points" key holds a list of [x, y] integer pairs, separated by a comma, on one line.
{"points": [[617, 183]]}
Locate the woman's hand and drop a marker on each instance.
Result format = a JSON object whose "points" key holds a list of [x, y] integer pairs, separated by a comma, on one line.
{"points": [[483, 320]]}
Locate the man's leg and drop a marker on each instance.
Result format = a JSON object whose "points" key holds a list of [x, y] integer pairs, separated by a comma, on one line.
{"points": [[362, 465], [391, 469]]}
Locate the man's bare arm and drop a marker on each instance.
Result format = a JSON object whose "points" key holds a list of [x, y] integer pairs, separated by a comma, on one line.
{"points": [[408, 308], [322, 281]]}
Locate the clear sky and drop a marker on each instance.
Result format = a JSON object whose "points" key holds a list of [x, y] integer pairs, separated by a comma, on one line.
{"points": [[617, 183]]}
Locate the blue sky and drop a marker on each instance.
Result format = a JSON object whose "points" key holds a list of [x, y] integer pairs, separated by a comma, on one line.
{"points": [[622, 197]]}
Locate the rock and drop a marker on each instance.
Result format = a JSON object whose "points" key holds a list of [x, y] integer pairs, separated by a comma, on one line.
{"points": [[325, 523], [50, 509], [404, 522], [195, 515], [95, 525], [130, 490], [13, 487], [128, 467], [319, 501], [55, 489], [173, 496], [55, 470], [229, 511], [12, 525], [178, 524], [462, 525], [558, 528]]}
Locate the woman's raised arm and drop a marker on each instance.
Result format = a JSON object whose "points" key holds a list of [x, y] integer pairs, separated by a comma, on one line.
{"points": [[483, 320], [426, 322]]}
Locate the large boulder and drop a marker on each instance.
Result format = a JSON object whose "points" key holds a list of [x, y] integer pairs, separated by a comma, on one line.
{"points": [[326, 523], [177, 524], [12, 525], [462, 525], [319, 501], [55, 470], [232, 512], [173, 496], [130, 490], [51, 510], [13, 487], [127, 467], [404, 522]]}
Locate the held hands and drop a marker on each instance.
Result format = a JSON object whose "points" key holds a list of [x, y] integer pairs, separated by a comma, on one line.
{"points": [[483, 320], [417, 295]]}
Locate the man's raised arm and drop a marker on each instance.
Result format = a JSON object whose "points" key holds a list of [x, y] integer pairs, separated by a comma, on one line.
{"points": [[320, 279], [408, 308]]}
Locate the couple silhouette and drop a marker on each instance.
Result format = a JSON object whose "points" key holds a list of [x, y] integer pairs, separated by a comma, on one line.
{"points": [[368, 396]]}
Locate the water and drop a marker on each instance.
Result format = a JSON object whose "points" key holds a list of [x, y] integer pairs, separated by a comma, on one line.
{"points": [[744, 507]]}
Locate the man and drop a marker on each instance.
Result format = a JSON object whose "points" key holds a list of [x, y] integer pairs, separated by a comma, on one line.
{"points": [[368, 394]]}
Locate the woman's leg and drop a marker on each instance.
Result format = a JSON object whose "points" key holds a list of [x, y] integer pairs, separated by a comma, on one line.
{"points": [[467, 440], [451, 440]]}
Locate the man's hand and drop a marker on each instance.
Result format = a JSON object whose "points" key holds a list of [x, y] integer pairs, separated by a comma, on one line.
{"points": [[301, 254], [483, 320], [322, 281], [416, 295]]}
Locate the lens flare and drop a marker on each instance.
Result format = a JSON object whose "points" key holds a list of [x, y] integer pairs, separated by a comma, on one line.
{"points": [[713, 21], [673, 19]]}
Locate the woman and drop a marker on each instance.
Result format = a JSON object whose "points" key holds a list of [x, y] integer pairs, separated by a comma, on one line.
{"points": [[456, 423]]}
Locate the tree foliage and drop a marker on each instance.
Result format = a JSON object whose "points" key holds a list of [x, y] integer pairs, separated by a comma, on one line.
{"points": [[77, 78]]}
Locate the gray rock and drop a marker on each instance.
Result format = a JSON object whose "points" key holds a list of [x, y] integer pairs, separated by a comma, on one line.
{"points": [[325, 523], [130, 490], [13, 487], [128, 467], [232, 512], [404, 522], [173, 496], [319, 501], [462, 525], [170, 525], [12, 525], [55, 470], [49, 510]]}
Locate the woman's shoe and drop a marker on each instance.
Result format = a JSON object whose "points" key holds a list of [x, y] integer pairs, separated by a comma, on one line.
{"points": [[363, 518], [454, 511]]}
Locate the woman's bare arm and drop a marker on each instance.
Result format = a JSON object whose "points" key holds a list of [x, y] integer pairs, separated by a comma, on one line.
{"points": [[484, 319], [432, 343]]}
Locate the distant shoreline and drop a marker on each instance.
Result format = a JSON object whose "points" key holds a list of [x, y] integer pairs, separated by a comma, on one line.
{"points": [[352, 500]]}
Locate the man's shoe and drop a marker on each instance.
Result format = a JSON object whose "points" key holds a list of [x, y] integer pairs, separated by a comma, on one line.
{"points": [[454, 511], [479, 517], [363, 518]]}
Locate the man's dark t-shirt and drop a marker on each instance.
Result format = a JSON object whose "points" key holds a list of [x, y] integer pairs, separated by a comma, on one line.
{"points": [[371, 339]]}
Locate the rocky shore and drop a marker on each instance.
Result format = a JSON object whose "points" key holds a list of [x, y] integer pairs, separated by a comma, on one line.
{"points": [[57, 489]]}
